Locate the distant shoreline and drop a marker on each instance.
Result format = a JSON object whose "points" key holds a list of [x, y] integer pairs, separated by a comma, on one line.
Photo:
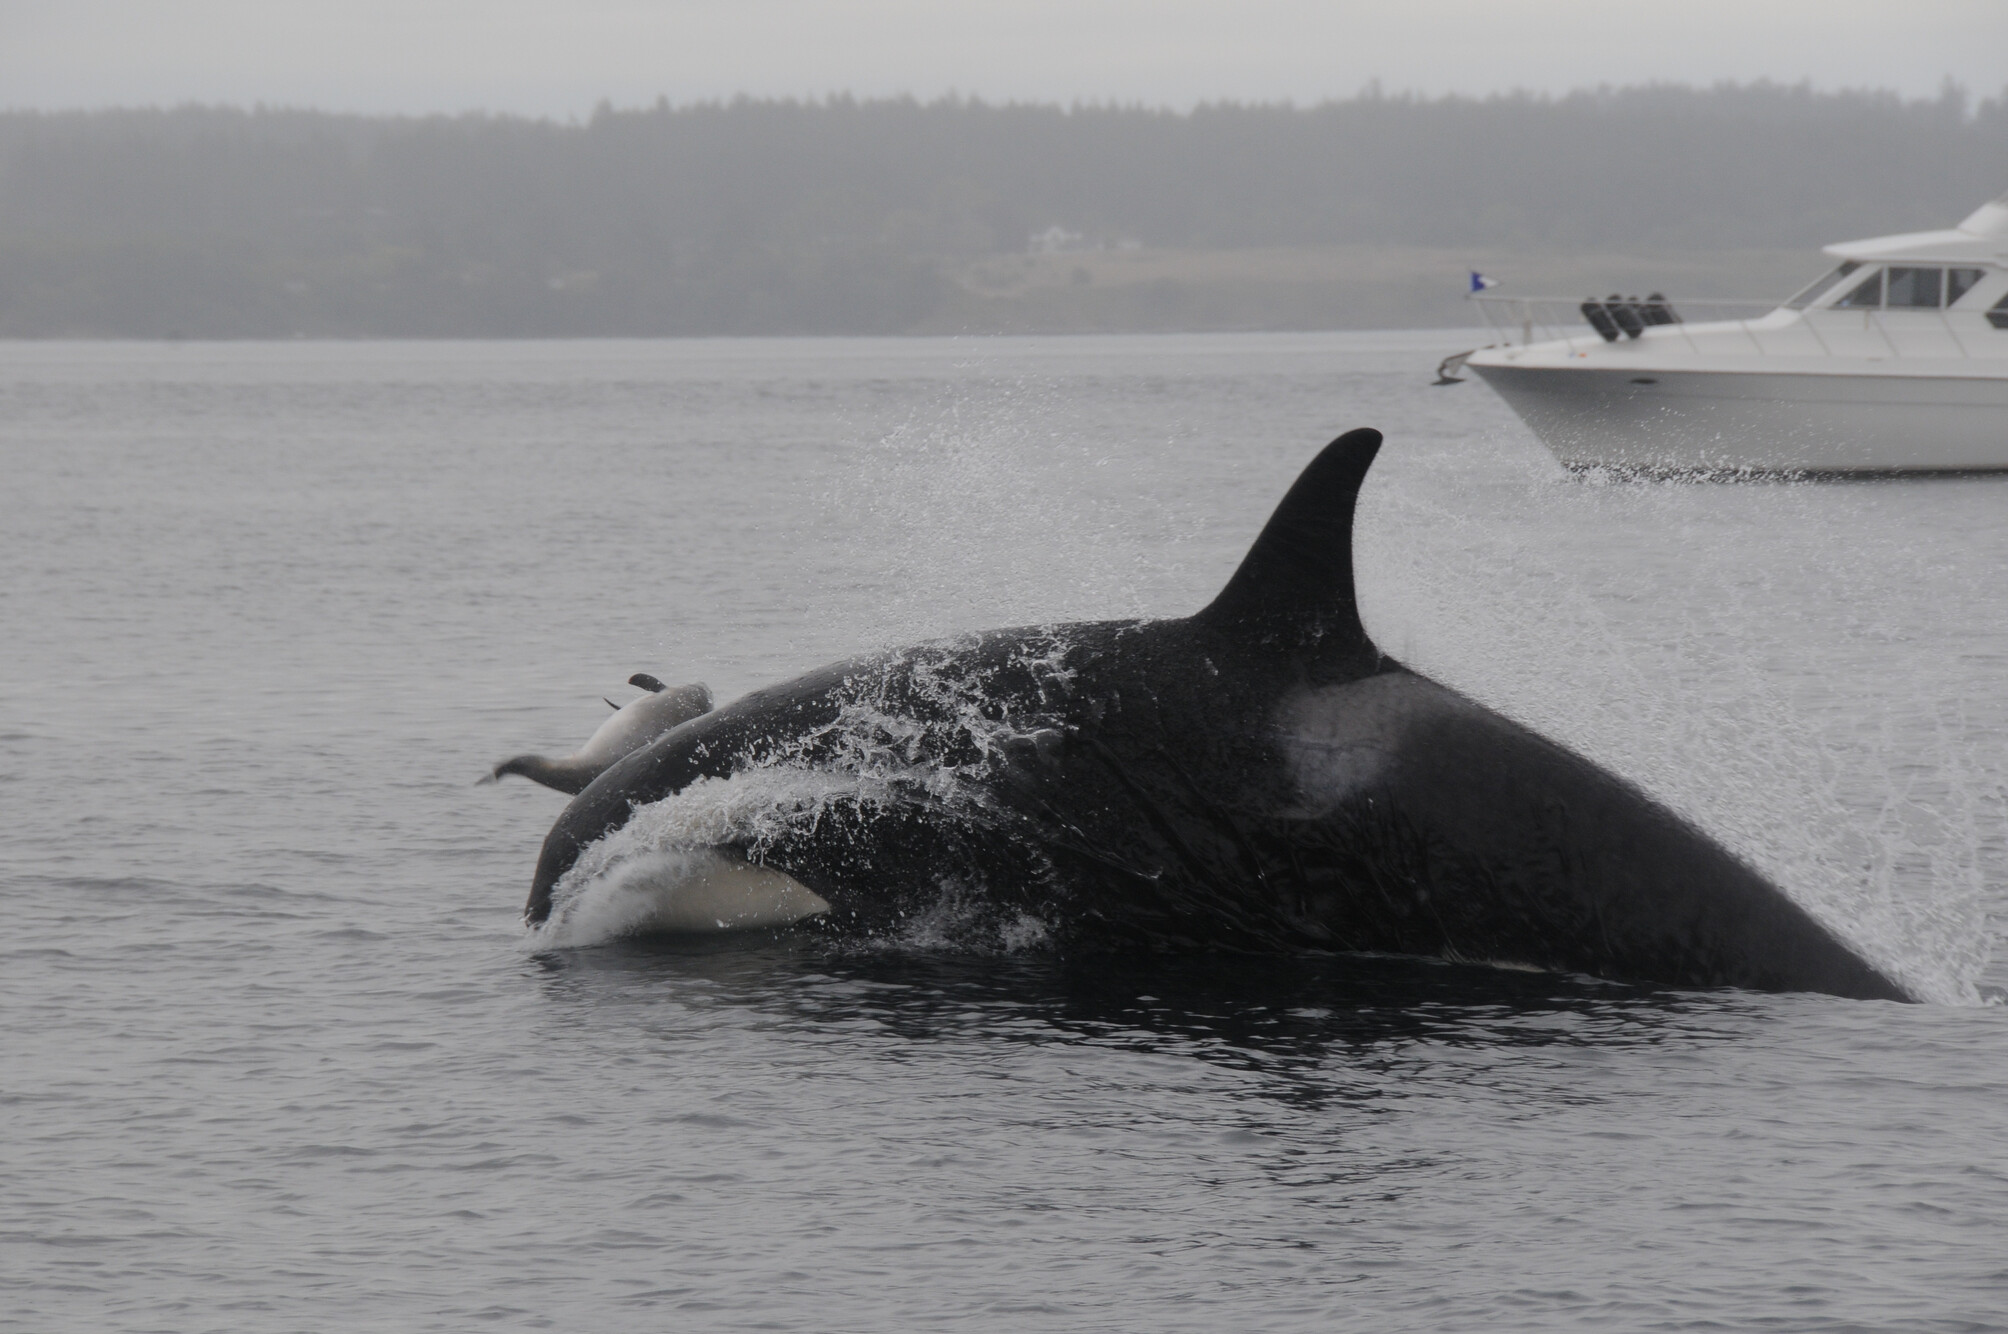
{"points": [[897, 217], [1403, 338], [1149, 291]]}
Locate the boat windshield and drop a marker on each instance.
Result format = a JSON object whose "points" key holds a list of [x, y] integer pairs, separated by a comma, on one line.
{"points": [[1909, 287], [1868, 296], [1915, 288], [1819, 287]]}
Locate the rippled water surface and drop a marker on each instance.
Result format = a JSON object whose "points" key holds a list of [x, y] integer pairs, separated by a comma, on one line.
{"points": [[278, 1054]]}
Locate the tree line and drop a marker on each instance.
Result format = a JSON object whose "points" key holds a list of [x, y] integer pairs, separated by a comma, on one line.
{"points": [[851, 216]]}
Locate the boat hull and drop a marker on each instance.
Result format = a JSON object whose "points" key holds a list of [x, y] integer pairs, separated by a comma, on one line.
{"points": [[1640, 419]]}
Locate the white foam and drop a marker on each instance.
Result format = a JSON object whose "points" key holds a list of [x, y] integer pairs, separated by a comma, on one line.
{"points": [[691, 858], [963, 920], [669, 868]]}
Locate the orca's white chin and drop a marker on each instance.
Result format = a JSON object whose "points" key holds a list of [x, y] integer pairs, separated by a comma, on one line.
{"points": [[710, 890]]}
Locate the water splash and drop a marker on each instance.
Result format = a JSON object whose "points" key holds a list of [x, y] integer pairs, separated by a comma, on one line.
{"points": [[926, 751], [986, 509], [624, 882], [963, 920]]}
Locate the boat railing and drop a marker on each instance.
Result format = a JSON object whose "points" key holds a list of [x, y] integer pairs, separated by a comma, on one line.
{"points": [[1590, 323]]}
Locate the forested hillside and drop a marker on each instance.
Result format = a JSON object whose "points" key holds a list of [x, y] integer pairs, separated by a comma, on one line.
{"points": [[888, 216]]}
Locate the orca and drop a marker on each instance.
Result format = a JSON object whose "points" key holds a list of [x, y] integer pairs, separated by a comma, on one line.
{"points": [[1257, 776], [632, 726]]}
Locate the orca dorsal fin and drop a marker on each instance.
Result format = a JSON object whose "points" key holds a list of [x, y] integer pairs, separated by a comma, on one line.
{"points": [[1297, 580]]}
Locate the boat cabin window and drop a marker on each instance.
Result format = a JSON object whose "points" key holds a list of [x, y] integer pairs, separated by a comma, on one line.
{"points": [[1868, 296], [1998, 317], [1819, 287], [1910, 287], [1914, 289]]}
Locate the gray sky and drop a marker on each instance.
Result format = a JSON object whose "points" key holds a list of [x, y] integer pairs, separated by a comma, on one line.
{"points": [[559, 58]]}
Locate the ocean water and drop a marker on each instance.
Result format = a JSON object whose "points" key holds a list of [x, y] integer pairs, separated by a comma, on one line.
{"points": [[278, 1053]]}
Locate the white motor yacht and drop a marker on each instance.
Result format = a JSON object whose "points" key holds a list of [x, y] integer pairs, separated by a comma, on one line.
{"points": [[1894, 361]]}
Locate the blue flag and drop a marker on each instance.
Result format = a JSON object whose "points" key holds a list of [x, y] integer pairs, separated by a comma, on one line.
{"points": [[1479, 282]]}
